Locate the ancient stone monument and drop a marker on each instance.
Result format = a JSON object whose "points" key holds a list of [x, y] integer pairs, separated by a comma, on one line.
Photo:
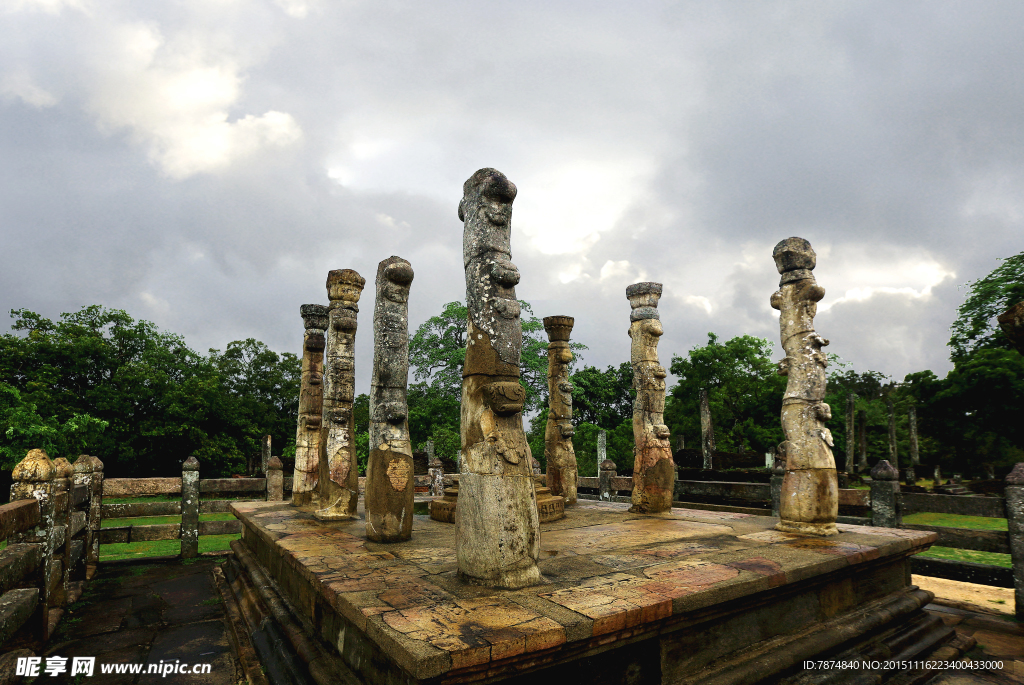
{"points": [[338, 486], [851, 436], [654, 471], [707, 431], [497, 531], [810, 498], [602, 448], [558, 451], [311, 403], [389, 472]]}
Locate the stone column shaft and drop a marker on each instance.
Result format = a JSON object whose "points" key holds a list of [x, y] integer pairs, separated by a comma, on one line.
{"points": [[497, 526], [862, 436], [885, 488], [654, 470], [810, 489], [389, 472], [851, 434], [558, 450], [33, 479], [1015, 524], [190, 508], [264, 454], [338, 485], [311, 404], [602, 448], [707, 431]]}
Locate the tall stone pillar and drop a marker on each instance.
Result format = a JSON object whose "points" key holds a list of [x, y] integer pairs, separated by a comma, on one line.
{"points": [[915, 457], [893, 449], [851, 435], [389, 472], [338, 486], [810, 496], [707, 431], [558, 450], [654, 470], [264, 455], [497, 527], [311, 404], [862, 436], [602, 448]]}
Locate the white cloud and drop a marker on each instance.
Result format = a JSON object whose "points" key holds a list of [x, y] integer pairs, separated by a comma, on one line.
{"points": [[19, 85], [49, 6]]}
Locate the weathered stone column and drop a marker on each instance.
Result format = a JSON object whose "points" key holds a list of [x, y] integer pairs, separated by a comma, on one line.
{"points": [[275, 480], [1012, 323], [264, 454], [190, 508], [851, 435], [707, 431], [497, 527], [937, 475], [915, 457], [602, 448], [83, 477], [33, 479], [92, 540], [389, 472], [893, 450], [311, 405], [885, 488], [435, 472], [604, 482], [778, 475], [558, 450], [63, 507], [1015, 523], [654, 470], [810, 495], [338, 486], [862, 436]]}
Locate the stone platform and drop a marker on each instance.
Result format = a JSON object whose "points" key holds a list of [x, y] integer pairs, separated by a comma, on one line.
{"points": [[686, 596]]}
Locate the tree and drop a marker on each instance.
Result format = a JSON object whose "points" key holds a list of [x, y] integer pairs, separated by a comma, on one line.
{"points": [[603, 398], [987, 298], [23, 429], [744, 394]]}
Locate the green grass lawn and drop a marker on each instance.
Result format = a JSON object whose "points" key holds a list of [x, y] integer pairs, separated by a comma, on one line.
{"points": [[160, 548], [954, 521]]}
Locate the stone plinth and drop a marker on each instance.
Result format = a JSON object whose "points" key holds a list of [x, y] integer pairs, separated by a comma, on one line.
{"points": [[550, 507], [687, 596]]}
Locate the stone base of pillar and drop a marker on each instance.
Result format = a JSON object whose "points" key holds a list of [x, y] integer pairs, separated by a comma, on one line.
{"points": [[549, 507]]}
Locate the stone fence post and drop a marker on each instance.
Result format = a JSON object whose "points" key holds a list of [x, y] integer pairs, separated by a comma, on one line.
{"points": [[88, 474], [1015, 523], [275, 480], [605, 493], [885, 488], [33, 479], [62, 512], [190, 508], [778, 474]]}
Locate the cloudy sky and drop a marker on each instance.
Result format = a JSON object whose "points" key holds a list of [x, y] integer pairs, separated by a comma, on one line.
{"points": [[202, 164]]}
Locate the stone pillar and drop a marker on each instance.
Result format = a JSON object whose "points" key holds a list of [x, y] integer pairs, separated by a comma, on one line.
{"points": [[264, 455], [680, 443], [497, 527], [707, 431], [83, 477], [810, 489], [435, 473], [885, 488], [389, 473], [915, 457], [62, 510], [311, 405], [1015, 523], [862, 461], [604, 482], [275, 480], [893, 450], [1012, 323], [778, 474], [851, 435], [338, 483], [92, 551], [558, 450], [190, 508], [33, 479], [602, 448], [937, 475], [654, 470]]}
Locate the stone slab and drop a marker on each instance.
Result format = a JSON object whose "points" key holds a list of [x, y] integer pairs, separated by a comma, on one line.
{"points": [[611, 577]]}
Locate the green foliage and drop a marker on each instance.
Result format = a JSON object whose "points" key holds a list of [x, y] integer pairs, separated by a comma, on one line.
{"points": [[23, 429], [603, 398], [430, 411], [744, 394], [160, 401], [975, 327], [361, 418]]}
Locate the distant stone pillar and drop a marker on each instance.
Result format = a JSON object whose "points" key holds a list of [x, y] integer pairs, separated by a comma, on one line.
{"points": [[435, 472], [915, 457], [338, 485], [778, 474], [654, 471], [893, 450], [851, 434], [497, 527], [558, 449], [604, 481], [602, 448], [264, 454], [311, 405], [680, 443], [1012, 323], [885, 488], [1015, 524], [707, 431], [862, 420], [937, 475], [190, 508], [810, 489], [33, 479], [275, 480], [389, 472]]}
